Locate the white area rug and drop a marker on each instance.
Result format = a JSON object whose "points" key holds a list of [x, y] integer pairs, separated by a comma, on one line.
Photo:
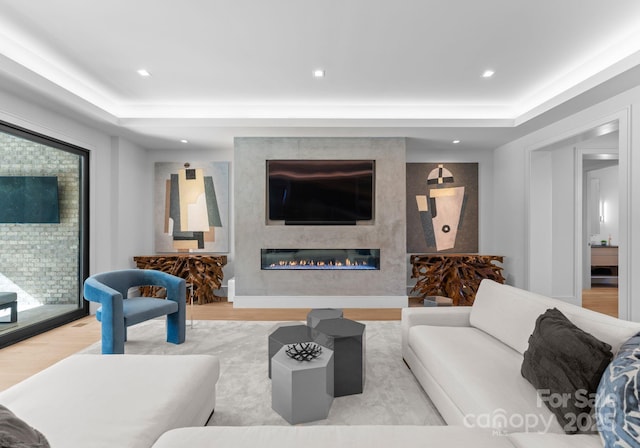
{"points": [[391, 396]]}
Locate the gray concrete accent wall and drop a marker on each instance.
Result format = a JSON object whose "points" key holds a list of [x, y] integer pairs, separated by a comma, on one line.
{"points": [[386, 232]]}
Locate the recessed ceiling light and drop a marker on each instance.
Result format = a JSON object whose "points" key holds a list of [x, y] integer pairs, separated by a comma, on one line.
{"points": [[184, 141], [318, 73], [488, 73], [144, 73], [455, 142]]}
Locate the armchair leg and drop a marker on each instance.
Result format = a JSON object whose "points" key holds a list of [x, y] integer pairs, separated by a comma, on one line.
{"points": [[191, 297], [113, 339], [176, 324]]}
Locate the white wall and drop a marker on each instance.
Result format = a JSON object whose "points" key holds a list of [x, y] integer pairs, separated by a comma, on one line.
{"points": [[551, 223], [563, 225], [511, 236], [131, 221], [541, 227]]}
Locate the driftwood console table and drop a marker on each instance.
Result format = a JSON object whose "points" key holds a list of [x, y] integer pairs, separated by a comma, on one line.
{"points": [[203, 272], [456, 276]]}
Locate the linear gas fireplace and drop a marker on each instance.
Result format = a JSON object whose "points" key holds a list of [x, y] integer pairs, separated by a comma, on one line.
{"points": [[320, 259]]}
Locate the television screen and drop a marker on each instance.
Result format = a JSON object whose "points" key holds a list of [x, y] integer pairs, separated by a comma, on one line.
{"points": [[29, 199], [320, 191]]}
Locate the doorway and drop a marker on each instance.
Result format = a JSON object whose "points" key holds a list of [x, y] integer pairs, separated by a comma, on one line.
{"points": [[560, 238], [601, 228]]}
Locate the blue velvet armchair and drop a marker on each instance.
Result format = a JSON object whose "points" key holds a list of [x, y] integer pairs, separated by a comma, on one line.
{"points": [[118, 311]]}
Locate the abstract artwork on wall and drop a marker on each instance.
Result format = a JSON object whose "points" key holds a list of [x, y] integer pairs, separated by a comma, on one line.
{"points": [[442, 207], [192, 207]]}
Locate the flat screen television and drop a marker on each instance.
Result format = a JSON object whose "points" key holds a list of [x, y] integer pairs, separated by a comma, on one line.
{"points": [[29, 199], [320, 192]]}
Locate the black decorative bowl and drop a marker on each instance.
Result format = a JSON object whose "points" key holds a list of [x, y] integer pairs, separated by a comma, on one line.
{"points": [[304, 351]]}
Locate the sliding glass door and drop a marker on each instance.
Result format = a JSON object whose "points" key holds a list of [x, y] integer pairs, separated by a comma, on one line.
{"points": [[43, 233]]}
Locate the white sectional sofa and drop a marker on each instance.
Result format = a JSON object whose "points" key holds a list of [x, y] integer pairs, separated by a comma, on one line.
{"points": [[124, 401], [331, 436], [468, 361], [365, 437]]}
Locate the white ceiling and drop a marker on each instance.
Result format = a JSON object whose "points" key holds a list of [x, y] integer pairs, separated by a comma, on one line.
{"points": [[244, 67]]}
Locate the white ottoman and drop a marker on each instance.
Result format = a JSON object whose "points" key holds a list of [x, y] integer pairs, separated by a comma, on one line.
{"points": [[116, 400]]}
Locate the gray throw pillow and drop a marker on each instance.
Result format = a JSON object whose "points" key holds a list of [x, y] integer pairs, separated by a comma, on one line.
{"points": [[15, 433], [565, 364]]}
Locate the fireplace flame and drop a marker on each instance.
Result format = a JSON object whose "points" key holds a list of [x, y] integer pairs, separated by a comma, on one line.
{"points": [[320, 263]]}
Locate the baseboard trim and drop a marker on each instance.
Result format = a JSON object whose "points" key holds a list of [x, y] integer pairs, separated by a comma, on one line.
{"points": [[320, 301]]}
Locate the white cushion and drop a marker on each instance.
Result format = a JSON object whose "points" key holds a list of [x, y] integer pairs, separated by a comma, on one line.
{"points": [[331, 436], [482, 377], [116, 400], [509, 314], [533, 440]]}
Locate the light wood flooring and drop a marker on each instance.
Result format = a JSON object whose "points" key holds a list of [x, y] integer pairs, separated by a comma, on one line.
{"points": [[601, 299], [28, 357]]}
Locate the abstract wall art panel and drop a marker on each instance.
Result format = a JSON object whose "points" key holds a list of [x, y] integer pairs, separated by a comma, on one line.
{"points": [[442, 207], [192, 207]]}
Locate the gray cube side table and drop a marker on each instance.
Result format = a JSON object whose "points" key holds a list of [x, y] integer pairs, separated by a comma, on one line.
{"points": [[318, 314], [347, 340], [301, 391], [287, 334]]}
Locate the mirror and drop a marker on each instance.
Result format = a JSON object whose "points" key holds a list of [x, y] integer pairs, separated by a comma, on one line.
{"points": [[594, 206]]}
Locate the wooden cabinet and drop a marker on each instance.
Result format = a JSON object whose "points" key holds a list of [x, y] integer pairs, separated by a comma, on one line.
{"points": [[604, 256], [202, 272], [604, 264], [456, 276]]}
